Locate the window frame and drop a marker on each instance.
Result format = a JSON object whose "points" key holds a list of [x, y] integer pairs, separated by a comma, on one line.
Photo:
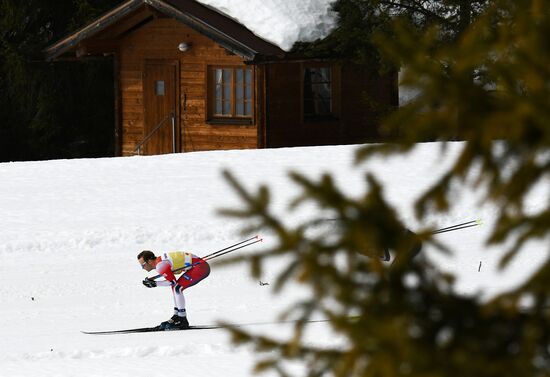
{"points": [[334, 113], [233, 118]]}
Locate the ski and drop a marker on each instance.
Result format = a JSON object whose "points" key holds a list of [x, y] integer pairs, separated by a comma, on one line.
{"points": [[198, 327], [149, 329]]}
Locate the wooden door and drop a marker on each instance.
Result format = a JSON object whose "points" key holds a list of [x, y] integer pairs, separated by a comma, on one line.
{"points": [[160, 101]]}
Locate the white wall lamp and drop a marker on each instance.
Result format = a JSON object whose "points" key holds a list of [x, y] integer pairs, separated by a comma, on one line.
{"points": [[184, 46]]}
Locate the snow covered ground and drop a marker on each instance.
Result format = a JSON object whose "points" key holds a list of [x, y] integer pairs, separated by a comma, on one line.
{"points": [[70, 231]]}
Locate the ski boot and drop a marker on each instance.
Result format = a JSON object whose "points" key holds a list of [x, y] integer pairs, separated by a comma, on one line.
{"points": [[175, 323], [163, 325]]}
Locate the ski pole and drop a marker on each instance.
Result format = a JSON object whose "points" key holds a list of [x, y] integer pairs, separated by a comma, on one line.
{"points": [[465, 225], [237, 248], [454, 226], [453, 229], [216, 254], [229, 247]]}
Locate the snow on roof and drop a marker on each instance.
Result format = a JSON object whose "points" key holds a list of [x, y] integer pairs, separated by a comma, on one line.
{"points": [[282, 22]]}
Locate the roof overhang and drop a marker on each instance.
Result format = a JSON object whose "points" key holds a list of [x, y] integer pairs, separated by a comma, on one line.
{"points": [[101, 36]]}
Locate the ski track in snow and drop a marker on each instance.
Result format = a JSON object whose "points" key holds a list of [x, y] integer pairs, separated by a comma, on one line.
{"points": [[70, 231]]}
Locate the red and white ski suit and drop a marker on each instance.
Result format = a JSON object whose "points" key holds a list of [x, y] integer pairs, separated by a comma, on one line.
{"points": [[198, 270]]}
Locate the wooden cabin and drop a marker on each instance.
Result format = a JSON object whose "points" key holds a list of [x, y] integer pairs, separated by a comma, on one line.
{"points": [[189, 78]]}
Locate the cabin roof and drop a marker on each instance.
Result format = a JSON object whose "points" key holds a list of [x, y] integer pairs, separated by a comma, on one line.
{"points": [[101, 34]]}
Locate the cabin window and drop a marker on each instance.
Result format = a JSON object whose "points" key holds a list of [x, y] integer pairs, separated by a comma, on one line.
{"points": [[318, 92], [159, 88], [231, 93]]}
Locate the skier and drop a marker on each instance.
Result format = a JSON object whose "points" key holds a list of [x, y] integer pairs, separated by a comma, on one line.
{"points": [[164, 264], [413, 245]]}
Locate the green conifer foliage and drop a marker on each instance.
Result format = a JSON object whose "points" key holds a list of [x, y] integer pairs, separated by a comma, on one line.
{"points": [[51, 110], [488, 85]]}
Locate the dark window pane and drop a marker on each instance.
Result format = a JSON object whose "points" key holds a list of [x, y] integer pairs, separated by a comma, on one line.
{"points": [[317, 91], [239, 93], [308, 107], [239, 77], [322, 106], [159, 88], [227, 108], [240, 108], [227, 92], [323, 75], [227, 75]]}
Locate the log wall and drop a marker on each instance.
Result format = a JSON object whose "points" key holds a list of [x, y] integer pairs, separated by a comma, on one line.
{"points": [[159, 40]]}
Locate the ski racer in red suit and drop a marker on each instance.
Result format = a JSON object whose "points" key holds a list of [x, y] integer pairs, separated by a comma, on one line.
{"points": [[196, 269]]}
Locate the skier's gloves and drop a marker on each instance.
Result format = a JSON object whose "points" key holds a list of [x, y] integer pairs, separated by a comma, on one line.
{"points": [[149, 283]]}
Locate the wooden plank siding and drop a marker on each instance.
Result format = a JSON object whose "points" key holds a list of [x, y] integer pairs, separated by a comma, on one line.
{"points": [[159, 39], [368, 96], [353, 119]]}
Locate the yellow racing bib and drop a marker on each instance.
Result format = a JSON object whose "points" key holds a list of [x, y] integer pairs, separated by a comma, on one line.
{"points": [[180, 259]]}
